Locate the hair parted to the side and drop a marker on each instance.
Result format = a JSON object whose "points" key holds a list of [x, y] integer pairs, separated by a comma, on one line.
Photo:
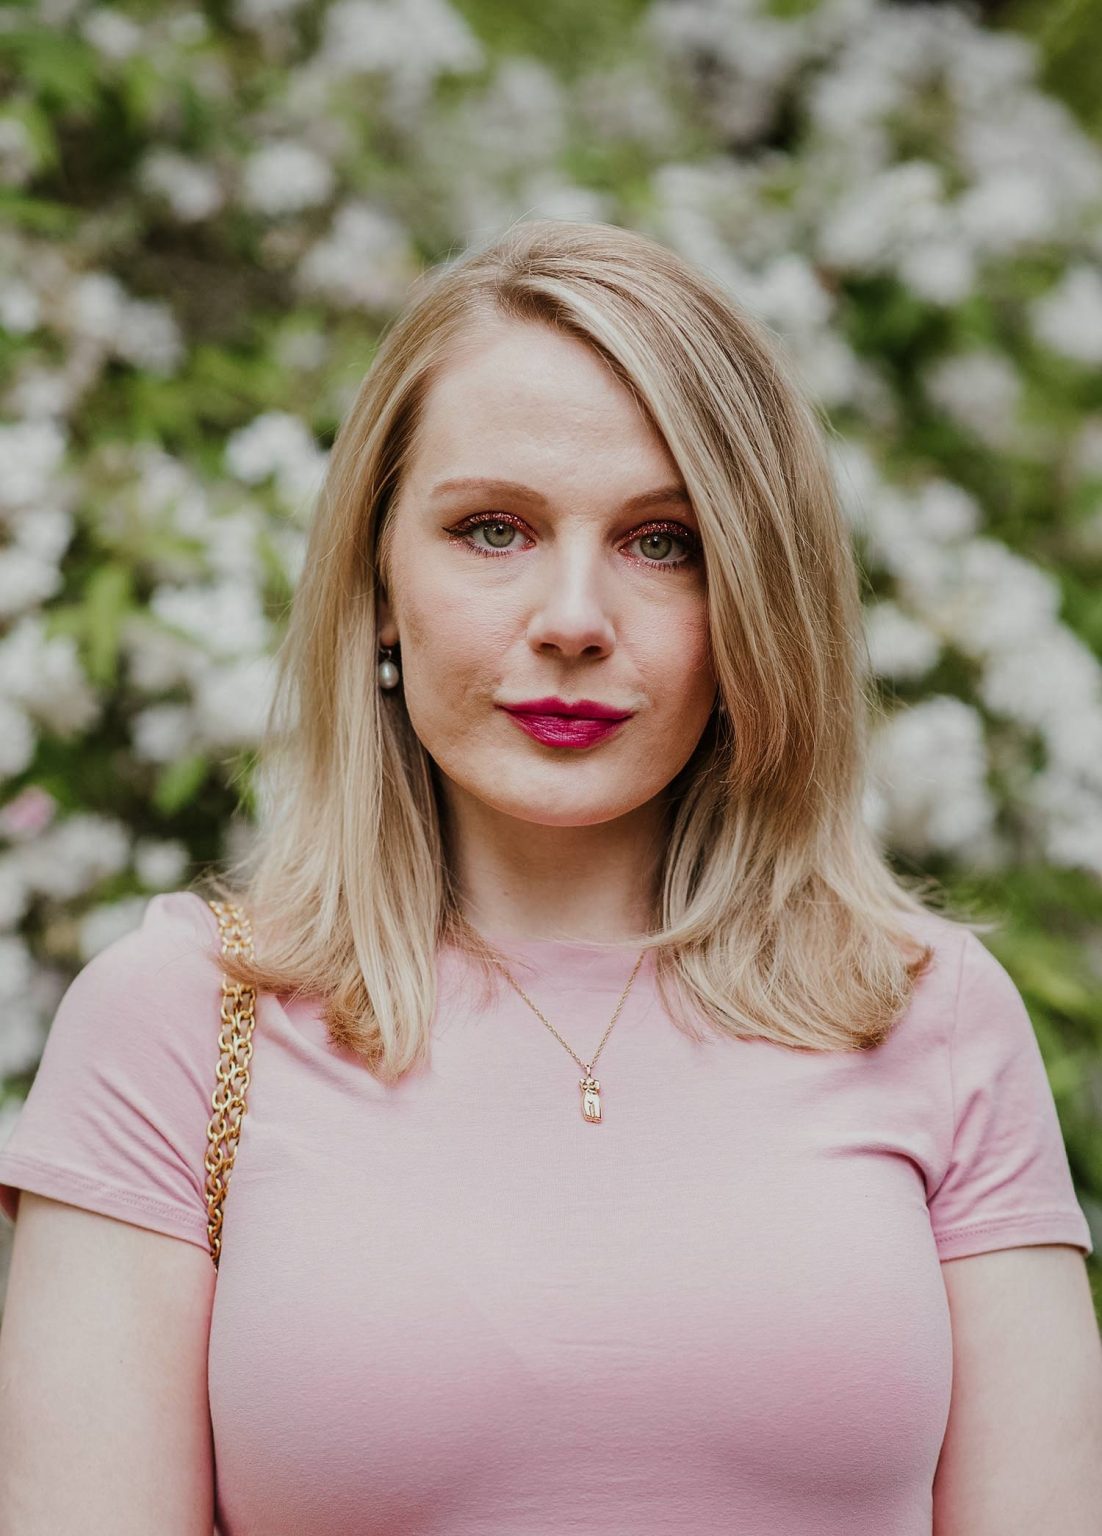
{"points": [[780, 917]]}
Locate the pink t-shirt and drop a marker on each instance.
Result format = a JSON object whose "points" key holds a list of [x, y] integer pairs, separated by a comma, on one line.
{"points": [[454, 1306]]}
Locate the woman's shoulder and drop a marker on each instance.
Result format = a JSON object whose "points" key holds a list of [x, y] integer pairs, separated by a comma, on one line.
{"points": [[947, 938], [178, 916], [116, 1116], [966, 989], [152, 995], [934, 1005], [174, 946]]}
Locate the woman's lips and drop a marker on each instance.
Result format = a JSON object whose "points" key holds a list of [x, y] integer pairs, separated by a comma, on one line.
{"points": [[565, 730]]}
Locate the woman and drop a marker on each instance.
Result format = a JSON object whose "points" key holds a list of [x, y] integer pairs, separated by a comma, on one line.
{"points": [[567, 761]]}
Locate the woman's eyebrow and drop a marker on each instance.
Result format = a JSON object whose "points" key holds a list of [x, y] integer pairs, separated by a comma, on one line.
{"points": [[662, 495]]}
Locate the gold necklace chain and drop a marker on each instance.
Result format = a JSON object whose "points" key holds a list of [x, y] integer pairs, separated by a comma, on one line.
{"points": [[591, 1088]]}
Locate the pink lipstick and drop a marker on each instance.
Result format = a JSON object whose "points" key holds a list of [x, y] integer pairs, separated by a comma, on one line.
{"points": [[565, 730], [558, 723]]}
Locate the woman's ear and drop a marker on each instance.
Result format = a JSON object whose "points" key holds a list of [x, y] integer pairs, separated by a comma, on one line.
{"points": [[385, 626]]}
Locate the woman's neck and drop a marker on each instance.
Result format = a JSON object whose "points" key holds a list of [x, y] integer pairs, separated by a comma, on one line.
{"points": [[527, 880]]}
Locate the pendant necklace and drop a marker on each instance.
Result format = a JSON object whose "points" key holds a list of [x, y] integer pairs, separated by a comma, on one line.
{"points": [[591, 1088]]}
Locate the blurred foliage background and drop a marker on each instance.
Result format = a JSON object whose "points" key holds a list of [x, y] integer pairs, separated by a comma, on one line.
{"points": [[209, 213]]}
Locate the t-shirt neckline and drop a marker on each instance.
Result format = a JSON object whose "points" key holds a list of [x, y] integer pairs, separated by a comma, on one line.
{"points": [[566, 961]]}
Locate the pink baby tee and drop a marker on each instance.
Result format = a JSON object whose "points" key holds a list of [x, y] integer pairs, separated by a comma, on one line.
{"points": [[454, 1306]]}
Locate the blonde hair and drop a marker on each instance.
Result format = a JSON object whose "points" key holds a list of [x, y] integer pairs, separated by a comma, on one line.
{"points": [[780, 918]]}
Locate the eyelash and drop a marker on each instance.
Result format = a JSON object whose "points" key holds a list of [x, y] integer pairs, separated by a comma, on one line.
{"points": [[675, 530]]}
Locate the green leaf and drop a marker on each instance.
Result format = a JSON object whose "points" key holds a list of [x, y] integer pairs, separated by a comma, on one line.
{"points": [[179, 783], [106, 605], [54, 63]]}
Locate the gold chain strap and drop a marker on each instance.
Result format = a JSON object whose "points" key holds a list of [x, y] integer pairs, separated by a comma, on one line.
{"points": [[236, 1047]]}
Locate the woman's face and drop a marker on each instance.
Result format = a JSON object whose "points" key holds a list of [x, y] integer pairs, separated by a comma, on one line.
{"points": [[525, 565]]}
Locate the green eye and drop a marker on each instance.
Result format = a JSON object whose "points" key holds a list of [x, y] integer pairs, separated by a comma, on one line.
{"points": [[665, 542], [658, 543], [494, 530]]}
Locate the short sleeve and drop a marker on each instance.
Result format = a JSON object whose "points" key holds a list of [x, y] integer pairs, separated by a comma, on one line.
{"points": [[116, 1117], [1008, 1180]]}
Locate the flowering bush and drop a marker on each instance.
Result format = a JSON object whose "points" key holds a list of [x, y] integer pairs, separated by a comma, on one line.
{"points": [[208, 224]]}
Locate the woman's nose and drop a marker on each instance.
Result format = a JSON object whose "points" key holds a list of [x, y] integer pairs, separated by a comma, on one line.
{"points": [[571, 606]]}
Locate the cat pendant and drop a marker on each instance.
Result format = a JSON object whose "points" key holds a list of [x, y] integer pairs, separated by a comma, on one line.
{"points": [[591, 1098]]}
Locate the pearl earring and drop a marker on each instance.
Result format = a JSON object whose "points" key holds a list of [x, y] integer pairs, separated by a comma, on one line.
{"points": [[387, 671]]}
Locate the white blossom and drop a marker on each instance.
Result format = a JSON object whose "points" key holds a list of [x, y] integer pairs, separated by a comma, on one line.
{"points": [[365, 261], [410, 41], [1068, 819], [940, 269], [18, 739], [875, 223], [21, 1037], [43, 531], [32, 809], [163, 733], [829, 368], [850, 96], [231, 544], [20, 307], [1031, 135], [622, 100], [260, 14], [302, 349], [518, 121], [160, 863], [19, 158], [186, 28], [290, 545], [983, 67], [285, 177], [95, 307], [274, 443], [1006, 210], [26, 580], [192, 189], [38, 392], [755, 55], [101, 925], [154, 487], [1068, 318], [140, 331], [31, 453], [899, 645], [980, 389], [929, 767], [73, 855], [1039, 681], [990, 600], [156, 658], [1073, 741], [857, 481], [548, 196], [224, 618], [787, 293], [944, 512], [15, 967], [14, 895], [149, 337], [1086, 453], [896, 540], [232, 702], [111, 33], [43, 674]]}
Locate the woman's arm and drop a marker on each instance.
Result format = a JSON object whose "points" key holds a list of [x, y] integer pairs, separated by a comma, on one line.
{"points": [[104, 1416], [1022, 1454]]}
